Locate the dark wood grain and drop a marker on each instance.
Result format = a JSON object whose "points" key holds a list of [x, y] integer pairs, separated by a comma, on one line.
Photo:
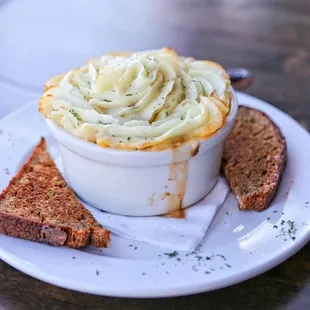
{"points": [[271, 38]]}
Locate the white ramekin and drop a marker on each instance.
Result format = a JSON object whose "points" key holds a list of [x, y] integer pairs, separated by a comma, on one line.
{"points": [[142, 183]]}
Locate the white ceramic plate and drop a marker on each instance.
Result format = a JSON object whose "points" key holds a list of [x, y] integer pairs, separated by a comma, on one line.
{"points": [[238, 245]]}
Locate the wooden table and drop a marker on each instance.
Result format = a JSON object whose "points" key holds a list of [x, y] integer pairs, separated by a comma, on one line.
{"points": [[271, 38]]}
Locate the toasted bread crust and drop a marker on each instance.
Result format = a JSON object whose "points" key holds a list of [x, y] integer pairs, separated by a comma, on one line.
{"points": [[38, 205], [27, 229], [99, 236], [254, 158]]}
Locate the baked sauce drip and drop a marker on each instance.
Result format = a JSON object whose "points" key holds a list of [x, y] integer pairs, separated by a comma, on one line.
{"points": [[178, 174], [178, 214]]}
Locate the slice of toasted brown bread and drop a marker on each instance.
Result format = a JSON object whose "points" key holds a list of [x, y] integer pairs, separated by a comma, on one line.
{"points": [[38, 205], [254, 158]]}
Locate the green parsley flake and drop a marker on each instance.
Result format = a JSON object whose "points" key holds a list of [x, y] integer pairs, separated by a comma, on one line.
{"points": [[291, 224], [292, 230], [172, 254], [76, 115]]}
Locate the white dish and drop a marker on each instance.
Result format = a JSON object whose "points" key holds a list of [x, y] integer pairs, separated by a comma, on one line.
{"points": [[244, 244], [142, 183]]}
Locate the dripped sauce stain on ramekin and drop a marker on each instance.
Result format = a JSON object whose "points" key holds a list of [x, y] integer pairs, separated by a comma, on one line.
{"points": [[178, 173]]}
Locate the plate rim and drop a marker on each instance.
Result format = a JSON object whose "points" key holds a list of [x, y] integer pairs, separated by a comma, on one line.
{"points": [[169, 292]]}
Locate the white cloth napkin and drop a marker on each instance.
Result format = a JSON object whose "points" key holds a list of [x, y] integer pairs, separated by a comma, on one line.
{"points": [[176, 234]]}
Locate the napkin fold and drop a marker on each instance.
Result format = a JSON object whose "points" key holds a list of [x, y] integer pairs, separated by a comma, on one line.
{"points": [[183, 234]]}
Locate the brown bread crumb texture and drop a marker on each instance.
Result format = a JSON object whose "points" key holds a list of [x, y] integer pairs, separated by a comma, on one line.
{"points": [[254, 158], [38, 205]]}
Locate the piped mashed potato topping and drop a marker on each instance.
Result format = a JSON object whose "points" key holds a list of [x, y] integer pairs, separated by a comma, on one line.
{"points": [[146, 100]]}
